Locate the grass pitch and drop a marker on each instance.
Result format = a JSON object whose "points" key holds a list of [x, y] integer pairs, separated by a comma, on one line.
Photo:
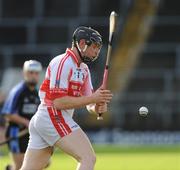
{"points": [[120, 158]]}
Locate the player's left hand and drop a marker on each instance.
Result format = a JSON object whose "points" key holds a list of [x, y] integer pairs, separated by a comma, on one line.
{"points": [[101, 108]]}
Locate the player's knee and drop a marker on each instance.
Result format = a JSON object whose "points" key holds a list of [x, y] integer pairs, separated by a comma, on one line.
{"points": [[92, 159], [88, 159]]}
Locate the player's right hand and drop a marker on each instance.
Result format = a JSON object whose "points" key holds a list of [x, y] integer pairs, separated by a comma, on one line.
{"points": [[101, 96]]}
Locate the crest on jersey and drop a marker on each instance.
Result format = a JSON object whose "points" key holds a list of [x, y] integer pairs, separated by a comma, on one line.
{"points": [[78, 75]]}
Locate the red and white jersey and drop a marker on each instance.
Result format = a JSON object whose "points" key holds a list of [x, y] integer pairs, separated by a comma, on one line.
{"points": [[65, 77]]}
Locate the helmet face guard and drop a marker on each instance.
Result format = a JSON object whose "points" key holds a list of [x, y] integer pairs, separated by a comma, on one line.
{"points": [[90, 36]]}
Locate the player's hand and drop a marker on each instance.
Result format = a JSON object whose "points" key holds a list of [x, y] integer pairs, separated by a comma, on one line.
{"points": [[101, 108], [101, 96]]}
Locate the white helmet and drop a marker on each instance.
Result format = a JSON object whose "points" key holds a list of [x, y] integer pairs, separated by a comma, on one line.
{"points": [[32, 65]]}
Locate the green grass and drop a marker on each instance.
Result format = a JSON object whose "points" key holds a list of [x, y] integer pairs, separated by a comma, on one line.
{"points": [[121, 158]]}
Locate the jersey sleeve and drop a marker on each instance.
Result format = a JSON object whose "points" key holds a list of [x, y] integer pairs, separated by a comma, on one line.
{"points": [[11, 104], [59, 80], [88, 88]]}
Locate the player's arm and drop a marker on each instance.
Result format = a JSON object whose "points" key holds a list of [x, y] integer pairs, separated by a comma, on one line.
{"points": [[17, 119], [69, 102], [62, 101], [88, 90], [10, 109]]}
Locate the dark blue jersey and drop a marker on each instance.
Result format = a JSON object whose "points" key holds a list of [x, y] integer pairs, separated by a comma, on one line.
{"points": [[22, 101]]}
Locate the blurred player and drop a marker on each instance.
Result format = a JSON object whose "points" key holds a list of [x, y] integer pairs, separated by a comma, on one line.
{"points": [[21, 104], [67, 86]]}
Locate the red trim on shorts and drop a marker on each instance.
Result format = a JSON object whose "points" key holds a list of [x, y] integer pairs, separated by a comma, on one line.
{"points": [[60, 123], [56, 122], [66, 126]]}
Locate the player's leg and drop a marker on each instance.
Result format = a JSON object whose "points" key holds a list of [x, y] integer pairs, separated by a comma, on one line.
{"points": [[22, 144], [17, 159], [15, 148], [36, 159], [78, 146], [38, 153]]}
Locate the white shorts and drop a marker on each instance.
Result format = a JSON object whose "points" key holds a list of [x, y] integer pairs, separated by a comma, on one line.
{"points": [[48, 126]]}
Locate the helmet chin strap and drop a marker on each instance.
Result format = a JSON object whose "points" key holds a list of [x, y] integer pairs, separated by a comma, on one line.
{"points": [[84, 49], [85, 59], [79, 50]]}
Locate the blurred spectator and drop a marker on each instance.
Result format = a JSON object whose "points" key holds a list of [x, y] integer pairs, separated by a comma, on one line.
{"points": [[19, 107]]}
